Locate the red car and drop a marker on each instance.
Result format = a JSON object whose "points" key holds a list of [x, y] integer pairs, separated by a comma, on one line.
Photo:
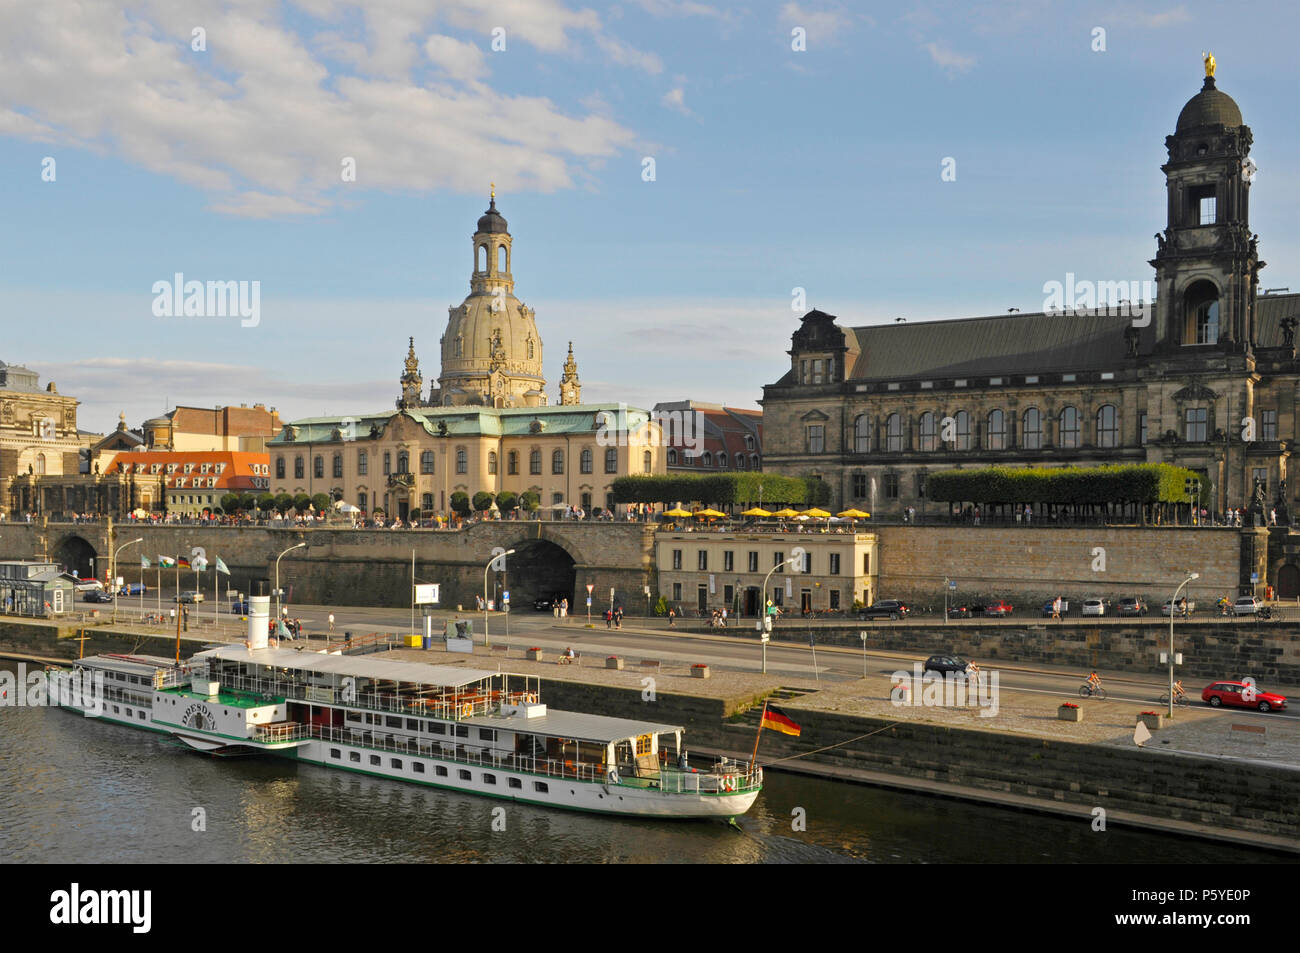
{"points": [[1235, 694], [998, 609]]}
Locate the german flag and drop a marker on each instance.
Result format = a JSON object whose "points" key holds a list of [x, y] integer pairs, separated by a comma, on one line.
{"points": [[183, 562], [778, 720]]}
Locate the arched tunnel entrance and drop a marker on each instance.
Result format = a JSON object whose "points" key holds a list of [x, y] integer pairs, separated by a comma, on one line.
{"points": [[538, 569], [74, 554]]}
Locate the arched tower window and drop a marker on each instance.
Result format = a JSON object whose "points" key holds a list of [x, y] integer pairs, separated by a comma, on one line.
{"points": [[1201, 314], [503, 259], [481, 259], [1108, 426], [647, 461], [460, 346], [530, 349]]}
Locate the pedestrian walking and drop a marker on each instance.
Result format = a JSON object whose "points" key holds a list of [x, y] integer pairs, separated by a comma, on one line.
{"points": [[331, 621], [672, 618], [1056, 608], [609, 618], [564, 609]]}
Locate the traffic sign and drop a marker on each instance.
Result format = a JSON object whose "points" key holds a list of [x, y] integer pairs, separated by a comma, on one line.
{"points": [[589, 602], [590, 586], [1254, 577], [952, 584], [505, 595]]}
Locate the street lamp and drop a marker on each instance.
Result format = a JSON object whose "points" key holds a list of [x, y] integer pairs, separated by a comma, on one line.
{"points": [[112, 579], [486, 569], [278, 610], [763, 608], [1173, 607]]}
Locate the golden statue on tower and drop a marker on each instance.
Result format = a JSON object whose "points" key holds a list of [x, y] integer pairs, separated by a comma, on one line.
{"points": [[1209, 64]]}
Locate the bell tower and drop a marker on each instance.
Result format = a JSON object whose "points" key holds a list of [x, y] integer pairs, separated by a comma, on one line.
{"points": [[492, 253], [411, 379], [1207, 264]]}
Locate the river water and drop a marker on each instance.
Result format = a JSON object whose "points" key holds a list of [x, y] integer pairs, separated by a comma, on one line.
{"points": [[78, 790]]}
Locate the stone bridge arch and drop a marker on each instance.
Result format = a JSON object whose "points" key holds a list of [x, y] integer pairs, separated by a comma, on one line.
{"points": [[77, 554]]}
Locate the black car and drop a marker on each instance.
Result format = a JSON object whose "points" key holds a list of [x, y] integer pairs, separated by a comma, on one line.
{"points": [[961, 612], [97, 595], [547, 603], [1131, 605], [945, 664], [888, 609]]}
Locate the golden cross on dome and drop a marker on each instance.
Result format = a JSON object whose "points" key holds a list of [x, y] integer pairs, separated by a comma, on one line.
{"points": [[493, 193]]}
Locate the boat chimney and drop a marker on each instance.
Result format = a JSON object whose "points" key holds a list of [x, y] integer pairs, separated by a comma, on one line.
{"points": [[259, 616]]}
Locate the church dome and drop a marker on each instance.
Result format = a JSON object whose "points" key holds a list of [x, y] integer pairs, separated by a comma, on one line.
{"points": [[494, 222], [1209, 107]]}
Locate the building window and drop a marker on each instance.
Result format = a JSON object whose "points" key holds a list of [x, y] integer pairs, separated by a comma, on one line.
{"points": [[647, 461], [535, 462], [707, 459], [703, 560], [677, 559], [337, 467], [963, 430], [816, 440], [677, 592], [1268, 425], [361, 501], [866, 564], [403, 462], [557, 461], [279, 468], [740, 461], [1260, 474], [1196, 420], [363, 464], [611, 460], [426, 461], [777, 559], [1204, 204], [388, 463], [1031, 430], [1069, 428], [584, 459], [861, 435], [891, 486], [1108, 426], [894, 433], [426, 504], [728, 561], [807, 562], [835, 598], [722, 460], [1142, 428], [920, 485], [318, 467], [512, 463], [297, 468], [753, 561], [996, 427], [859, 486], [462, 460], [928, 441], [835, 564]]}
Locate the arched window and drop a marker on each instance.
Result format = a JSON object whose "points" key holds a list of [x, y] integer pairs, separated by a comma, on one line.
{"points": [[279, 468], [426, 504], [672, 459], [861, 435], [298, 472], [1201, 308], [740, 461], [502, 260], [426, 461], [929, 439], [611, 460], [492, 463], [722, 460], [462, 460], [708, 458], [337, 465], [996, 426], [1069, 428], [647, 461], [557, 461], [1108, 426], [584, 459], [480, 258], [753, 461], [403, 461], [962, 421], [40, 463], [893, 433], [749, 441], [318, 467], [535, 462], [530, 349], [1031, 430], [512, 463], [363, 463]]}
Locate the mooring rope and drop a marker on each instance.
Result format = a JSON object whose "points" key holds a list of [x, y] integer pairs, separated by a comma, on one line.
{"points": [[836, 745]]}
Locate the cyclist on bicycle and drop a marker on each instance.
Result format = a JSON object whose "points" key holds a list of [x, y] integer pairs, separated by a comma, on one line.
{"points": [[1094, 681], [1178, 690]]}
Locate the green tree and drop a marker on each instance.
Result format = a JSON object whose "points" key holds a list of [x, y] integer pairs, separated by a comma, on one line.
{"points": [[530, 500], [507, 501], [301, 501], [321, 501], [482, 501], [283, 502], [460, 503], [266, 502], [230, 502]]}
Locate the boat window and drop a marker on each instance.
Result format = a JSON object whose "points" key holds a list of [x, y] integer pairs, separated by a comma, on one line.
{"points": [[375, 759], [464, 775], [142, 716], [439, 770], [397, 763], [413, 724], [437, 727], [354, 755], [462, 731], [487, 734], [116, 710], [419, 766], [353, 716], [516, 783], [540, 787], [392, 722], [335, 753]]}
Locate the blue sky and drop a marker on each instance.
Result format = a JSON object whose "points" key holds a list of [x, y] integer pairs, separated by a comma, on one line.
{"points": [[775, 168]]}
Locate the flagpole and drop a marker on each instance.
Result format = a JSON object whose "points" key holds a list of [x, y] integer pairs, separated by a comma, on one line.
{"points": [[754, 760]]}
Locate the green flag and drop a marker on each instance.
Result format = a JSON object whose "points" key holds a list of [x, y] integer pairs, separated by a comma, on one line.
{"points": [[144, 562], [221, 567], [166, 562]]}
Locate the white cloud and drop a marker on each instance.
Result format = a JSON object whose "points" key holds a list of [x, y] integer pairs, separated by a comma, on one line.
{"points": [[459, 60], [948, 59], [823, 26], [676, 99]]}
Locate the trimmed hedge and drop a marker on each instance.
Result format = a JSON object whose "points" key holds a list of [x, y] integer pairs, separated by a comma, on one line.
{"points": [[722, 489], [1134, 483]]}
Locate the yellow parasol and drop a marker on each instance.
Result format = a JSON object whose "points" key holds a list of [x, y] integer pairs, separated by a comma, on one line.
{"points": [[816, 514], [854, 515], [711, 514], [756, 511], [786, 513], [677, 512]]}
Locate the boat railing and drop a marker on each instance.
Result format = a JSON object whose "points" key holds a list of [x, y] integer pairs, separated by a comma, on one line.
{"points": [[726, 777], [282, 731], [450, 706]]}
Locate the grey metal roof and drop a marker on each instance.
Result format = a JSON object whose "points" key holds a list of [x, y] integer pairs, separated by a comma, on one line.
{"points": [[578, 726], [1210, 107], [442, 676], [134, 665]]}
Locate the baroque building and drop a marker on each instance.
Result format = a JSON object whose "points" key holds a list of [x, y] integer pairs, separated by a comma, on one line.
{"points": [[1205, 377]]}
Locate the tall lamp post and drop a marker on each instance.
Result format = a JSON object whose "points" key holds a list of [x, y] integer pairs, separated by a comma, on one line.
{"points": [[278, 610], [1173, 608], [486, 569], [766, 620], [112, 579]]}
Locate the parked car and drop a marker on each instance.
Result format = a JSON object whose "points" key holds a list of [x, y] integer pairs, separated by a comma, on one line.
{"points": [[1232, 693], [1131, 605], [886, 609], [547, 603], [1247, 605], [960, 612], [1047, 607], [190, 597], [1094, 607], [97, 595], [239, 607], [1185, 607], [945, 664], [133, 589], [89, 585], [998, 609]]}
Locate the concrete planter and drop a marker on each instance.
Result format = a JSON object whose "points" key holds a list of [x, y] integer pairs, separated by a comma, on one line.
{"points": [[699, 671], [533, 655], [1153, 722], [614, 662], [1069, 714]]}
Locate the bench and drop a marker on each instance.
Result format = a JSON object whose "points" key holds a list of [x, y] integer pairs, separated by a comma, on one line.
{"points": [[1248, 729]]}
